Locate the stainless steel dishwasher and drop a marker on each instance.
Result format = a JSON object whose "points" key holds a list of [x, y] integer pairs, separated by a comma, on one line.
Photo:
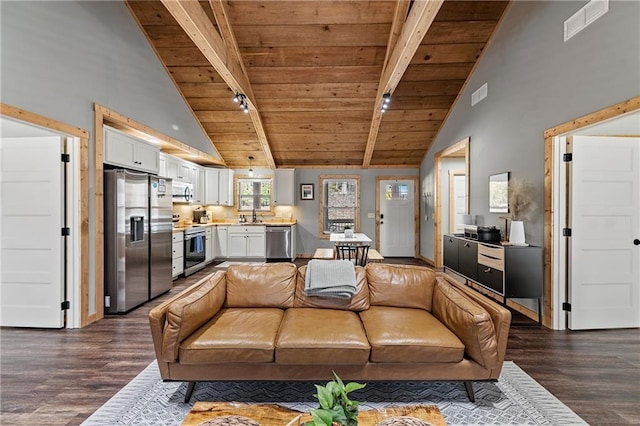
{"points": [[279, 243]]}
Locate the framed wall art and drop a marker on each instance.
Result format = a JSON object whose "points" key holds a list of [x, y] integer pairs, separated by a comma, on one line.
{"points": [[306, 191]]}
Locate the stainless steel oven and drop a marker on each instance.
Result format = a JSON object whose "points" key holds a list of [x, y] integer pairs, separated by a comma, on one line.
{"points": [[195, 247]]}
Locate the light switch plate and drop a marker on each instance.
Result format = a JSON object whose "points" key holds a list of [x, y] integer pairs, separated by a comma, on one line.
{"points": [[371, 215]]}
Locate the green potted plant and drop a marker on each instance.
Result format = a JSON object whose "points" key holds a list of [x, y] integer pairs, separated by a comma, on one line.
{"points": [[335, 405]]}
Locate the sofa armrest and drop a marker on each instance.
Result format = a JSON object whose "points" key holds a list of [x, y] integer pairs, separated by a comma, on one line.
{"points": [[481, 325], [174, 320]]}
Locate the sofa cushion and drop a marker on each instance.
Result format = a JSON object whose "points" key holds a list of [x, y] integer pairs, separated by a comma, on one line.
{"points": [[234, 335], [271, 285], [188, 313], [402, 286], [409, 335], [321, 336], [359, 301], [470, 321]]}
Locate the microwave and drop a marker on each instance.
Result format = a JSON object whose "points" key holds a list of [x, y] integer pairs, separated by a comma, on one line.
{"points": [[182, 192]]}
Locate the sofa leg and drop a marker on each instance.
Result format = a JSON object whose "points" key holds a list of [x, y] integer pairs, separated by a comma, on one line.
{"points": [[190, 388], [468, 385]]}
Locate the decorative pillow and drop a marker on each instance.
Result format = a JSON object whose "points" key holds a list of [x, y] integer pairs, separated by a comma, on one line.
{"points": [[188, 313], [359, 301], [401, 286], [469, 321]]}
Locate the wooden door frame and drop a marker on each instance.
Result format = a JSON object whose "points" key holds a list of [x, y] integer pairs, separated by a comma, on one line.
{"points": [[462, 145], [452, 175], [416, 209], [604, 114], [83, 187]]}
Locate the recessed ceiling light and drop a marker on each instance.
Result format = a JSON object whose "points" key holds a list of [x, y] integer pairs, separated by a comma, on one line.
{"points": [[175, 127]]}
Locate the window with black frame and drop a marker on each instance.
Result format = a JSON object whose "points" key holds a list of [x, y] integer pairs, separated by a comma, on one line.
{"points": [[340, 203]]}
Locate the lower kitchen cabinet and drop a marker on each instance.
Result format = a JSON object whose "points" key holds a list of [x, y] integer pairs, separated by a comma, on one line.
{"points": [[177, 254], [210, 249], [247, 241], [222, 245]]}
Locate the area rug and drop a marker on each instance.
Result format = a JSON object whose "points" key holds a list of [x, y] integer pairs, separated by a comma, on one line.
{"points": [[515, 399], [225, 265]]}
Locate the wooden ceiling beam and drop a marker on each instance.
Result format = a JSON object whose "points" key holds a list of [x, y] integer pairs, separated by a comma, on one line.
{"points": [[221, 50], [412, 31]]}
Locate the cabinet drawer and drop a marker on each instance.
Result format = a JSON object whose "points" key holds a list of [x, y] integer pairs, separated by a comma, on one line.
{"points": [[178, 236], [491, 278], [491, 251], [177, 249], [177, 266], [491, 256]]}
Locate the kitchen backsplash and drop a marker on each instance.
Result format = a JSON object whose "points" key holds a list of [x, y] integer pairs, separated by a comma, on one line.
{"points": [[220, 212]]}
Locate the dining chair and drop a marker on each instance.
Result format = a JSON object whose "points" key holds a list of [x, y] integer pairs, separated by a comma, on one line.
{"points": [[355, 253]]}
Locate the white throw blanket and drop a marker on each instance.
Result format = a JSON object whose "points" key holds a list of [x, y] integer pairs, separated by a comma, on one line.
{"points": [[330, 278]]}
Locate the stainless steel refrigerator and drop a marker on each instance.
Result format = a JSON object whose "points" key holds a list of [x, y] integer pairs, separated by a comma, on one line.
{"points": [[137, 238]]}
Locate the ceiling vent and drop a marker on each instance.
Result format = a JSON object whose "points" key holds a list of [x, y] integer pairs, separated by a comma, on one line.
{"points": [[585, 17], [479, 94]]}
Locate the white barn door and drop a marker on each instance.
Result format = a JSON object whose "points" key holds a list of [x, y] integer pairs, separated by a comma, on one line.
{"points": [[31, 218], [604, 288]]}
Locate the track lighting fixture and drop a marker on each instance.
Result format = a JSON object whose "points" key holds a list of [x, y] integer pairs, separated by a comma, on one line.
{"points": [[386, 98], [242, 99], [251, 165]]}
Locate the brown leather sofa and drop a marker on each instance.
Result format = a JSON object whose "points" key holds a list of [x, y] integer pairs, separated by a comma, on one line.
{"points": [[256, 323]]}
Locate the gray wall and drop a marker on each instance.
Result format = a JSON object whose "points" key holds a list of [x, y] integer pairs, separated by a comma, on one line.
{"points": [[535, 82], [306, 211], [59, 57]]}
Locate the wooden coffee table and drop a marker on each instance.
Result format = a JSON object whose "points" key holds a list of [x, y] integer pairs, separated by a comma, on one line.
{"points": [[275, 415]]}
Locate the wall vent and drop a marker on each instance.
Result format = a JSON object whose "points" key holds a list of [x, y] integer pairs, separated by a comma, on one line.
{"points": [[479, 94], [585, 17]]}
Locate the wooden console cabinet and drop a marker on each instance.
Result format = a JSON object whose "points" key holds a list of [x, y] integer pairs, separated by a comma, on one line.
{"points": [[510, 271]]}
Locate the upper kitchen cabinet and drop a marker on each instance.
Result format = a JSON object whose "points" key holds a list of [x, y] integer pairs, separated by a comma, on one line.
{"points": [[225, 185], [284, 187], [178, 169], [218, 187], [198, 181], [123, 150]]}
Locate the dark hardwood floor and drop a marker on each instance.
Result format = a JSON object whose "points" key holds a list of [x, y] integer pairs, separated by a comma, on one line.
{"points": [[60, 377]]}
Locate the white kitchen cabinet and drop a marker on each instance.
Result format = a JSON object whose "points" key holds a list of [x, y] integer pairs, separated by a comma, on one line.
{"points": [[123, 150], [178, 169], [247, 241], [222, 241], [198, 181], [210, 251], [284, 187], [225, 185], [211, 189], [162, 165], [177, 253], [218, 187]]}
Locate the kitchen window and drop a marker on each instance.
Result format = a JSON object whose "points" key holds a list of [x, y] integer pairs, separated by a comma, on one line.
{"points": [[254, 194], [339, 203]]}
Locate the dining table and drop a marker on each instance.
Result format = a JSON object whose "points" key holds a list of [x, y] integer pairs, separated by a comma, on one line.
{"points": [[357, 238]]}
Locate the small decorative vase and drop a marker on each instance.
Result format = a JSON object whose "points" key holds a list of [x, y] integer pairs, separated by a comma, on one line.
{"points": [[348, 233], [516, 233]]}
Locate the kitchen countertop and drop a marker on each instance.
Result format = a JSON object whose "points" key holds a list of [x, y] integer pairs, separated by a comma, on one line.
{"points": [[273, 222]]}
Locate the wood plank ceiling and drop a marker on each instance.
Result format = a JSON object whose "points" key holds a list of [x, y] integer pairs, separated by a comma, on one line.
{"points": [[314, 73]]}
